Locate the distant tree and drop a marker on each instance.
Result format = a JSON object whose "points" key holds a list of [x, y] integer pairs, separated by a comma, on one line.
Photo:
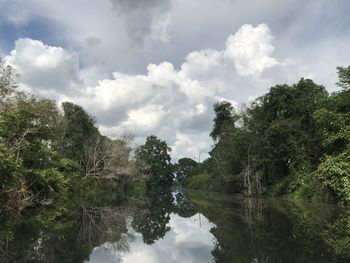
{"points": [[206, 166], [184, 168], [154, 159]]}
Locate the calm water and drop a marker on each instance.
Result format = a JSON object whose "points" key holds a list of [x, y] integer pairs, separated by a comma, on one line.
{"points": [[179, 227]]}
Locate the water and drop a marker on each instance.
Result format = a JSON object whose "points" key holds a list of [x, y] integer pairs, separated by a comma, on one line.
{"points": [[179, 227]]}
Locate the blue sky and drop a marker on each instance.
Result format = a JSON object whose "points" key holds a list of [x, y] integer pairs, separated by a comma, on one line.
{"points": [[157, 66], [36, 28]]}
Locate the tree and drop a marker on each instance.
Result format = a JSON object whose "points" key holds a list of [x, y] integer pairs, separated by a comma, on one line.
{"points": [[333, 120], [278, 141], [44, 153], [106, 158], [79, 131], [184, 168], [8, 79], [28, 128], [344, 77], [285, 130], [224, 120], [154, 159]]}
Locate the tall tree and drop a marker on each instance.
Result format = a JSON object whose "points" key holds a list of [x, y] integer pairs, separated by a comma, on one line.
{"points": [[224, 120], [79, 131], [155, 160]]}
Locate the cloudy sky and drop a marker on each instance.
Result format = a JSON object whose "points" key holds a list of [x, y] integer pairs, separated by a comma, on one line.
{"points": [[157, 66]]}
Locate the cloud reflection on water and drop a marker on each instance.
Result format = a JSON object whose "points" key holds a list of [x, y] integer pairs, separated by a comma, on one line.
{"points": [[189, 240]]}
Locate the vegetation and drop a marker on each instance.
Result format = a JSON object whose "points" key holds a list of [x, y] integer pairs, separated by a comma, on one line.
{"points": [[153, 159], [46, 155], [294, 141], [184, 168], [274, 230], [85, 187]]}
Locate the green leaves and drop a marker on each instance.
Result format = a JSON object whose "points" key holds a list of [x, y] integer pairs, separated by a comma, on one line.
{"points": [[292, 140], [78, 130], [154, 159], [334, 174], [344, 77], [184, 168], [224, 120]]}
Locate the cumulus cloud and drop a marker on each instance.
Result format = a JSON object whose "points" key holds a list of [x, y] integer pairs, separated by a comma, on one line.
{"points": [[160, 102], [169, 30], [250, 49], [44, 68], [177, 104], [174, 104]]}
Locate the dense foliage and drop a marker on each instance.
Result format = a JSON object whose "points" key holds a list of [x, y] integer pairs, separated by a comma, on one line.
{"points": [[44, 154], [153, 159], [294, 140], [184, 168]]}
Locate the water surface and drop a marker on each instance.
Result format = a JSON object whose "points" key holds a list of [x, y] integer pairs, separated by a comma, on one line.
{"points": [[180, 227]]}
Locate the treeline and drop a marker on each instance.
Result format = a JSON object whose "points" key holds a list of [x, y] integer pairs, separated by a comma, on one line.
{"points": [[294, 141], [47, 152]]}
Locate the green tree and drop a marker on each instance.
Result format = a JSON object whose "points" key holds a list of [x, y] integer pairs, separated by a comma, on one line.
{"points": [[224, 120], [184, 168], [224, 153], [285, 130], [79, 130], [344, 77], [333, 119], [154, 159]]}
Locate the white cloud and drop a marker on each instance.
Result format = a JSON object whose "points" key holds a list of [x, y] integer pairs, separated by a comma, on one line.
{"points": [[250, 49], [148, 117], [46, 69], [192, 145]]}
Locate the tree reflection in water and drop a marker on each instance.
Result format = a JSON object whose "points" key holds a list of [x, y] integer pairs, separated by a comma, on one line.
{"points": [[152, 220], [192, 226], [260, 230]]}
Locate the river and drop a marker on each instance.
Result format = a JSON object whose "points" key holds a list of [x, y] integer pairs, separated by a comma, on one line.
{"points": [[179, 226]]}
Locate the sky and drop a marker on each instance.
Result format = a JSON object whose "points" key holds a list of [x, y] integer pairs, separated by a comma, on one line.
{"points": [[156, 67]]}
